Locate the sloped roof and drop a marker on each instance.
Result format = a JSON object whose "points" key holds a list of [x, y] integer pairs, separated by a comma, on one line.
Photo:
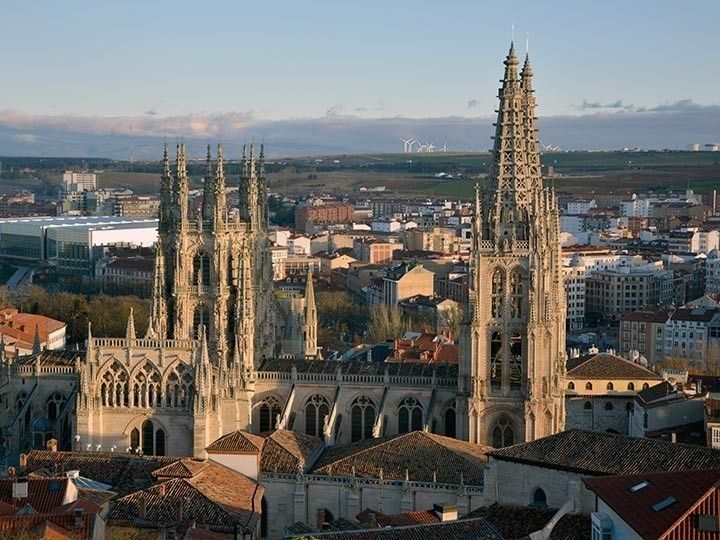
{"points": [[419, 369], [419, 453], [289, 451], [653, 393], [216, 498], [44, 494], [49, 526], [475, 529], [237, 442], [52, 358], [520, 521], [182, 468], [607, 366], [124, 471], [595, 453], [636, 507]]}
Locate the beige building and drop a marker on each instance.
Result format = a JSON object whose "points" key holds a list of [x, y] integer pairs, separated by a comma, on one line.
{"points": [[644, 332], [406, 280], [370, 250]]}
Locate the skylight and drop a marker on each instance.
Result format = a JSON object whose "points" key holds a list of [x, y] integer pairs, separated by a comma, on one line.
{"points": [[638, 487], [662, 505]]}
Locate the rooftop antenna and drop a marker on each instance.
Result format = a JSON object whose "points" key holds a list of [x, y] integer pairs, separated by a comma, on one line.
{"points": [[512, 32], [527, 43]]}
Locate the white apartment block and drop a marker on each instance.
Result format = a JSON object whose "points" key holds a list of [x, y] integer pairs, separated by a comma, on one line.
{"points": [[580, 207], [712, 272], [691, 333], [78, 182]]}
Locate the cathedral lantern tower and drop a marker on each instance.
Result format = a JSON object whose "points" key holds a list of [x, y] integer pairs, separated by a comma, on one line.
{"points": [[512, 361]]}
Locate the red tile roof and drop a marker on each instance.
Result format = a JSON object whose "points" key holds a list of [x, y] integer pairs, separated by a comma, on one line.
{"points": [[182, 468], [237, 442], [44, 494], [408, 518], [637, 508], [49, 526], [289, 451], [607, 366]]}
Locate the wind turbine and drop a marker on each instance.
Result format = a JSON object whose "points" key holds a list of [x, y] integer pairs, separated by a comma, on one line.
{"points": [[430, 147], [412, 142], [407, 142], [444, 148]]}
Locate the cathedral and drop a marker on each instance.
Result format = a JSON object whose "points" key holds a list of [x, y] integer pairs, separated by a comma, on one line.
{"points": [[224, 351]]}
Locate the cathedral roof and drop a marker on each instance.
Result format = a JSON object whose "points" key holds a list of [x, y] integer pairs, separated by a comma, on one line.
{"points": [[217, 497], [51, 358], [289, 451], [595, 453], [125, 472], [359, 368], [607, 366], [236, 442], [419, 455]]}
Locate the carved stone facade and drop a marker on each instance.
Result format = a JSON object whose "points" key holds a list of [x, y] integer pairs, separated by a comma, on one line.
{"points": [[224, 353], [512, 360]]}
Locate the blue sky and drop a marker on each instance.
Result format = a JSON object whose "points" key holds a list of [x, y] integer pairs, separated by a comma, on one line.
{"points": [[279, 60]]}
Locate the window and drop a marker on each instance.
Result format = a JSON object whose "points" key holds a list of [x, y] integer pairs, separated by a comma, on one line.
{"points": [[498, 289], [269, 412], [588, 386], [502, 433], [608, 406], [54, 406], [539, 499], [496, 360], [316, 409], [610, 386], [715, 437], [588, 406], [450, 423], [362, 418], [631, 386], [410, 416], [571, 386], [148, 439], [646, 386], [115, 389]]}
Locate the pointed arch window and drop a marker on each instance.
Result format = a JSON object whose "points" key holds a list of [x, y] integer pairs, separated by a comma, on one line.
{"points": [[269, 411], [54, 405], [201, 317], [316, 409], [498, 289], [362, 418], [539, 499], [496, 360], [146, 387], [148, 439], [179, 388], [502, 433], [516, 360], [516, 294], [201, 269], [115, 386], [410, 416]]}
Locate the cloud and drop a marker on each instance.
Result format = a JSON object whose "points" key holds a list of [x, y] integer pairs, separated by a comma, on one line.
{"points": [[587, 105], [472, 103], [670, 125]]}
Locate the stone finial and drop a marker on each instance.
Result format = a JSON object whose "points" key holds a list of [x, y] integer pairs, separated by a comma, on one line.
{"points": [[130, 329]]}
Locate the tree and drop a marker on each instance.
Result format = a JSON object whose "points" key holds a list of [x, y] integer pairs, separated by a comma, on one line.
{"points": [[386, 323]]}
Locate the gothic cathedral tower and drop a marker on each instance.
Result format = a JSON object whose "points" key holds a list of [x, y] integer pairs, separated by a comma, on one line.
{"points": [[513, 360]]}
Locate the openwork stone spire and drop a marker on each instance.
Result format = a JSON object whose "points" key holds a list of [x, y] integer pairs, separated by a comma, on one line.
{"points": [[509, 199]]}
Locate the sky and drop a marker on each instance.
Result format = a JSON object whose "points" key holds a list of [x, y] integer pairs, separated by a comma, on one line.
{"points": [[238, 69]]}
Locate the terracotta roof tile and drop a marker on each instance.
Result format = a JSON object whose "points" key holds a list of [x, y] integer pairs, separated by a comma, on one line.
{"points": [[237, 442], [520, 521], [475, 529], [421, 454], [288, 451], [359, 368], [594, 453], [48, 526], [607, 366], [216, 498], [44, 494], [124, 472], [182, 468], [635, 508], [408, 518]]}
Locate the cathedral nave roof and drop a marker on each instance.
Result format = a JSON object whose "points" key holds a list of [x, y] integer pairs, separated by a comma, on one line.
{"points": [[417, 369]]}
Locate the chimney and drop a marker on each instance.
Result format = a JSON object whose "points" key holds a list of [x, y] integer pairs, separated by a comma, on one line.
{"points": [[320, 519], [23, 461], [52, 445], [161, 488], [446, 512]]}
